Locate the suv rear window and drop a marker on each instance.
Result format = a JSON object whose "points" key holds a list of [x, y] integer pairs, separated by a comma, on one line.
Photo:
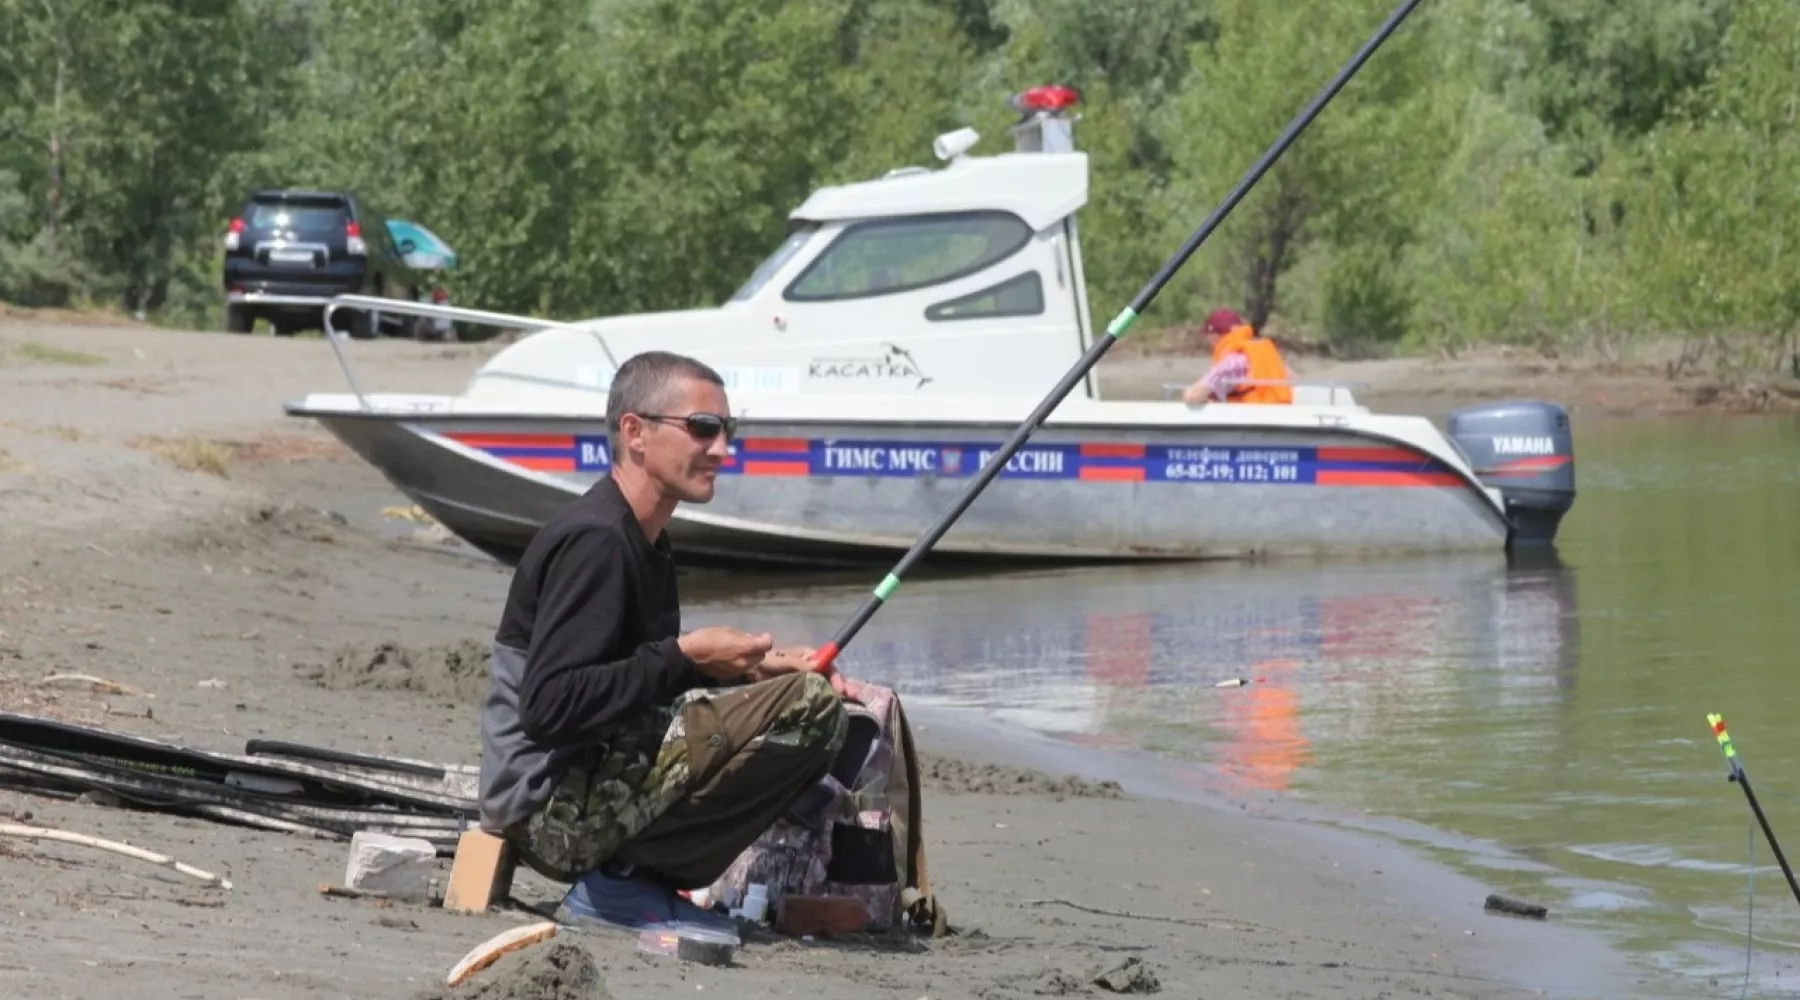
{"points": [[305, 216]]}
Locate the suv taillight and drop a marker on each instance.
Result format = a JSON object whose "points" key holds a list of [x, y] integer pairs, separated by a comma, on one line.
{"points": [[231, 234], [353, 241]]}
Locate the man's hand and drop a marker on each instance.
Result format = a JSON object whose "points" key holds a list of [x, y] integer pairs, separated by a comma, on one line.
{"points": [[795, 659], [724, 653], [786, 660]]}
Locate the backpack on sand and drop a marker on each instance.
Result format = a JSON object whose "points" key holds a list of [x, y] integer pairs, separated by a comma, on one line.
{"points": [[856, 832]]}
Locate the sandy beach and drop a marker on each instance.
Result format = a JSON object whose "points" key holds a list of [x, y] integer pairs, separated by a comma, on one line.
{"points": [[165, 527]]}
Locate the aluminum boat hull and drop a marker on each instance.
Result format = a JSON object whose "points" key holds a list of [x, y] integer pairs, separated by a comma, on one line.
{"points": [[851, 492]]}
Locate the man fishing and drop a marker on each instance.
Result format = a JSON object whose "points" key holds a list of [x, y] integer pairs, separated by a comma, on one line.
{"points": [[1244, 365], [617, 753]]}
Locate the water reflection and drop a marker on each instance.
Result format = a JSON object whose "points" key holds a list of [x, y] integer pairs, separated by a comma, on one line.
{"points": [[1129, 657], [1263, 744]]}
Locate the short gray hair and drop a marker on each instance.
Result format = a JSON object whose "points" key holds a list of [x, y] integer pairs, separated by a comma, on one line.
{"points": [[643, 384]]}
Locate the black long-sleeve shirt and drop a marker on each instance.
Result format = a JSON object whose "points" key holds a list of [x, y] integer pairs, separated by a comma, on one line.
{"points": [[593, 603]]}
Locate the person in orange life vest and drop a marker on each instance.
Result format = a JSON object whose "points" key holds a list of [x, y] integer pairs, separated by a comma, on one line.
{"points": [[1239, 355]]}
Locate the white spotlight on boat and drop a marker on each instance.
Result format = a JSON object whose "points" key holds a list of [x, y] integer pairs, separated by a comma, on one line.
{"points": [[951, 145]]}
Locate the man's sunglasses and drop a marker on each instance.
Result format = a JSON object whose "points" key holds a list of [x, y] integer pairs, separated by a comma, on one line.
{"points": [[704, 426]]}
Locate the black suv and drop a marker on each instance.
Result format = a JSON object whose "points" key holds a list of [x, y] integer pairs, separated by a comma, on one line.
{"points": [[288, 252]]}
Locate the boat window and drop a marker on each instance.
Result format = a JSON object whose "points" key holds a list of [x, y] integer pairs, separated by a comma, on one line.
{"points": [[1022, 295], [775, 261], [886, 256]]}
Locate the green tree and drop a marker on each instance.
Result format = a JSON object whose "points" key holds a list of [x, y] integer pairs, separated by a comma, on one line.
{"points": [[116, 116], [45, 120], [1717, 229], [1339, 181], [1520, 170], [709, 164], [1619, 67]]}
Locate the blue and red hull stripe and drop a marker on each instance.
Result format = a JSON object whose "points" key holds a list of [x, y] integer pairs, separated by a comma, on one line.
{"points": [[1097, 461]]}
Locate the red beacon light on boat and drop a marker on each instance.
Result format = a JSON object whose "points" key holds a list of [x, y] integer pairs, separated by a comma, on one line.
{"points": [[1045, 122], [1052, 98]]}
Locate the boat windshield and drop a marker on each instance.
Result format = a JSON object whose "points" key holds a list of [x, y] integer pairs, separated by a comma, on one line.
{"points": [[775, 261]]}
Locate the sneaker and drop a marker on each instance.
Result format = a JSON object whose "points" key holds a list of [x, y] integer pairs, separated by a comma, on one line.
{"points": [[622, 902]]}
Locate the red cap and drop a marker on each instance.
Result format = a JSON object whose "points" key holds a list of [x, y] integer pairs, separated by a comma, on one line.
{"points": [[1222, 321]]}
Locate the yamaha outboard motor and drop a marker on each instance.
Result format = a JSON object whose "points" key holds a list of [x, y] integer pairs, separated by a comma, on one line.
{"points": [[1522, 448]]}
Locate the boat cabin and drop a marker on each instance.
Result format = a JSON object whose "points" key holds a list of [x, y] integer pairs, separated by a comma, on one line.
{"points": [[956, 281]]}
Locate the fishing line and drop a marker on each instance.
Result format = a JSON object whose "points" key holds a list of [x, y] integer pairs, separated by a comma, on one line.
{"points": [[1750, 916], [1750, 894]]}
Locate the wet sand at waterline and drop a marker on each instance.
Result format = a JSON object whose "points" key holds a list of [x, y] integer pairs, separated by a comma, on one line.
{"points": [[163, 526]]}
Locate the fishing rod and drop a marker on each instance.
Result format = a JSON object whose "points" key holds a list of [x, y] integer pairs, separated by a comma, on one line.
{"points": [[828, 653], [1717, 722]]}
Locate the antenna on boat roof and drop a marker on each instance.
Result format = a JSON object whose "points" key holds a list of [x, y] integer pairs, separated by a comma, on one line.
{"points": [[1035, 108]]}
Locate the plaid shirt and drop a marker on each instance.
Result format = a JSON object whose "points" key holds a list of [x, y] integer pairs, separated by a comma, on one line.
{"points": [[1234, 368]]}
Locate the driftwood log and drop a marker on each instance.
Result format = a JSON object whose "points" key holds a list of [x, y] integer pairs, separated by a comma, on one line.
{"points": [[66, 837]]}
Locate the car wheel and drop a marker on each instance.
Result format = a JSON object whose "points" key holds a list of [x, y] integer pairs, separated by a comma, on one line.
{"points": [[238, 319]]}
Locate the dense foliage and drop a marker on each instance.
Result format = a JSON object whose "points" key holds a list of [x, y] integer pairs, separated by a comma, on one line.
{"points": [[1521, 170]]}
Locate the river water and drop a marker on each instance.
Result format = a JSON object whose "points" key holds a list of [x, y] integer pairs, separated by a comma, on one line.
{"points": [[1545, 717]]}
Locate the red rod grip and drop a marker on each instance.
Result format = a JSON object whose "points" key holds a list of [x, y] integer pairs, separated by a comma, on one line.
{"points": [[827, 653]]}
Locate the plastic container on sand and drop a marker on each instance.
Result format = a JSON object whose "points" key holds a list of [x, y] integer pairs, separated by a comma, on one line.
{"points": [[691, 943]]}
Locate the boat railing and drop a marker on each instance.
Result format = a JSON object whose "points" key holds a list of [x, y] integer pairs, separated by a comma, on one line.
{"points": [[480, 317], [1173, 390]]}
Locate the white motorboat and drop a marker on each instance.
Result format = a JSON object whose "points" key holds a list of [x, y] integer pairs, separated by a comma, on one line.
{"points": [[890, 344]]}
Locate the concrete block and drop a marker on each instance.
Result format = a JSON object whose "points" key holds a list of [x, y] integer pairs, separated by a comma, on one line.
{"points": [[399, 868]]}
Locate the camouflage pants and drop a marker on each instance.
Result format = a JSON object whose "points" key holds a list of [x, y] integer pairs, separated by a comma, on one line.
{"points": [[685, 791]]}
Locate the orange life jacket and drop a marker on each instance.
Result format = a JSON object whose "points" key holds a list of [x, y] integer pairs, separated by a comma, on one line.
{"points": [[1265, 365]]}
